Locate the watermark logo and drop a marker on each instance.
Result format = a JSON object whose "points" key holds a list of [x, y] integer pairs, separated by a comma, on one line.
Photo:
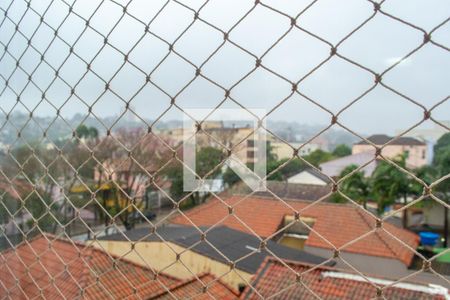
{"points": [[238, 132]]}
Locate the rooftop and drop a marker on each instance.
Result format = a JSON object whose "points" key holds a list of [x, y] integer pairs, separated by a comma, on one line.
{"points": [[274, 277], [315, 173], [232, 243], [381, 139], [333, 168], [283, 189], [195, 289], [337, 223], [55, 268]]}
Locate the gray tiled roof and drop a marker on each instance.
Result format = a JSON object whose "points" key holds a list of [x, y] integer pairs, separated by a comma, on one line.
{"points": [[381, 139], [232, 243]]}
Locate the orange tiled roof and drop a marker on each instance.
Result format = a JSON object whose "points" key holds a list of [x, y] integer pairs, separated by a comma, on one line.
{"points": [[193, 289], [57, 269], [337, 223], [327, 283]]}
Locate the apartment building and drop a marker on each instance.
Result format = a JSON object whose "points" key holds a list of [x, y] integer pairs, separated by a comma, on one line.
{"points": [[415, 150]]}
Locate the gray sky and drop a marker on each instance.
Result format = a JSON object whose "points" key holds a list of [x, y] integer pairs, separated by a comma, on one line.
{"points": [[383, 41]]}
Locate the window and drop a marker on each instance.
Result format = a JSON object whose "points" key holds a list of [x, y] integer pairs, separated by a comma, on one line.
{"points": [[296, 235]]}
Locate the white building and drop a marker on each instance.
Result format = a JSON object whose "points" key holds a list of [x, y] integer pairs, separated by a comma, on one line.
{"points": [[309, 177]]}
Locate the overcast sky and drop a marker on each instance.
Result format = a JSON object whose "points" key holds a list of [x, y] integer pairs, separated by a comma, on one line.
{"points": [[423, 77]]}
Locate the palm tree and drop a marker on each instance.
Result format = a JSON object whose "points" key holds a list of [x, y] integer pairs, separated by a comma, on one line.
{"points": [[389, 184], [356, 186]]}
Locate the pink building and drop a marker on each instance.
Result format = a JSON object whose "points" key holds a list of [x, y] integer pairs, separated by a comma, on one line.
{"points": [[415, 150]]}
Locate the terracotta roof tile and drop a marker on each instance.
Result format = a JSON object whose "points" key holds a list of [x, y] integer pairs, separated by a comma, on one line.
{"points": [[283, 189], [273, 277], [56, 268], [194, 289], [337, 223]]}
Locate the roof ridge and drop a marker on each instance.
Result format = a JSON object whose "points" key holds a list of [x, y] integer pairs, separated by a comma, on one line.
{"points": [[272, 198], [327, 268]]}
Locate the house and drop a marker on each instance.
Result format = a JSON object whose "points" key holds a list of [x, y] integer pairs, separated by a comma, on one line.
{"points": [[366, 160], [346, 227], [310, 176], [282, 150], [414, 149], [117, 181], [211, 253], [274, 278], [283, 189], [53, 268]]}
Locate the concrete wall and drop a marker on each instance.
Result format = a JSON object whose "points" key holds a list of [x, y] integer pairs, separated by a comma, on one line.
{"points": [[434, 214], [416, 157], [161, 257]]}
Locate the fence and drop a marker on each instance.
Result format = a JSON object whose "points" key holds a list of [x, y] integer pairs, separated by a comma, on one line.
{"points": [[63, 174]]}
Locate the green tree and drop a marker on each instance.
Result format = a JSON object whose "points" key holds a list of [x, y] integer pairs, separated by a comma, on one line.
{"points": [[390, 184], [356, 186], [85, 132], [207, 159], [82, 131], [442, 144], [318, 156], [230, 177], [439, 169], [342, 150]]}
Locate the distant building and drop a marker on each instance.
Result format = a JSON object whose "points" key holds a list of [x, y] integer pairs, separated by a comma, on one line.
{"points": [[200, 256], [279, 278], [415, 150], [215, 134], [282, 150], [334, 168], [322, 142], [428, 134], [309, 176]]}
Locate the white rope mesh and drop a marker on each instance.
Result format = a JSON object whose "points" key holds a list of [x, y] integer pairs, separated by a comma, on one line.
{"points": [[42, 178]]}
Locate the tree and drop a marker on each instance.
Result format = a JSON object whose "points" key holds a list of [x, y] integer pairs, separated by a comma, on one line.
{"points": [[355, 187], [442, 190], [439, 169], [230, 177], [126, 168], [342, 150], [40, 168], [442, 144], [390, 184], [318, 156], [207, 159], [85, 132]]}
